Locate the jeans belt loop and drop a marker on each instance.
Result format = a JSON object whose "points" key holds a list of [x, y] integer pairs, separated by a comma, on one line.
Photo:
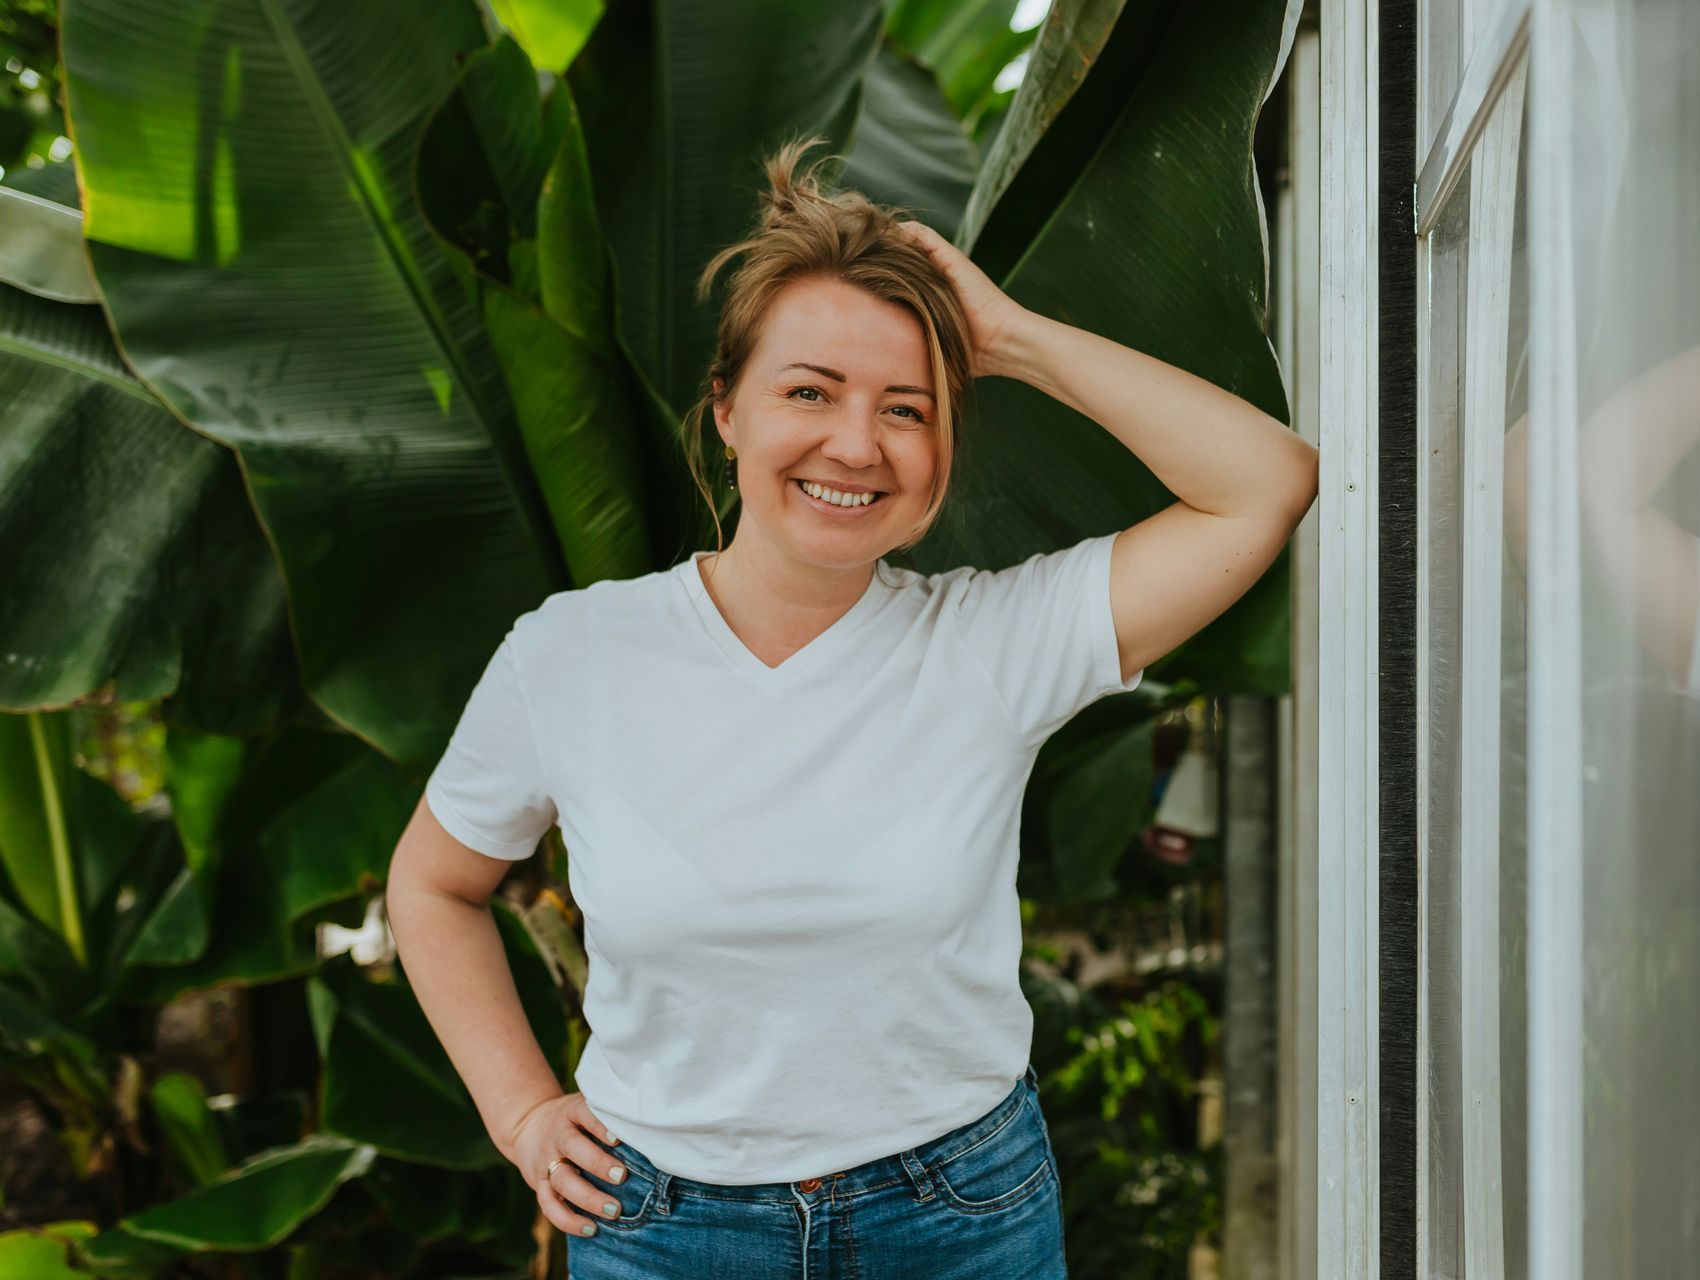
{"points": [[918, 1175]]}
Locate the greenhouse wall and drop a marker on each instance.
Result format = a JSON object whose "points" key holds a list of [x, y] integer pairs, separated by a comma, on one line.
{"points": [[1553, 744]]}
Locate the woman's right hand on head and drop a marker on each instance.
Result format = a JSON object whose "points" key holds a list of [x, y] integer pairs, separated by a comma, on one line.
{"points": [[563, 1128]]}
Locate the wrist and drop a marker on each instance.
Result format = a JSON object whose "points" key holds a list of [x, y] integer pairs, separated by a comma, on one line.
{"points": [[506, 1137], [1011, 354]]}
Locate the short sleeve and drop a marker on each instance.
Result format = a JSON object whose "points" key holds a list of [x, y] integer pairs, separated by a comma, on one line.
{"points": [[488, 789], [1044, 633]]}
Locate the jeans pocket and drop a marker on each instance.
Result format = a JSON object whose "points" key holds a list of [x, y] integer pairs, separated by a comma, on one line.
{"points": [[1003, 1169], [634, 1193]]}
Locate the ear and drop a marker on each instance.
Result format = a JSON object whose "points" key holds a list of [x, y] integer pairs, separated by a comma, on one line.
{"points": [[722, 410]]}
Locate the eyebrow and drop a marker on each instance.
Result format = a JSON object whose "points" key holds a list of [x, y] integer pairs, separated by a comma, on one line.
{"points": [[839, 377]]}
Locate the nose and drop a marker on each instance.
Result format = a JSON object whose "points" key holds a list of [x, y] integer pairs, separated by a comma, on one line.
{"points": [[853, 442]]}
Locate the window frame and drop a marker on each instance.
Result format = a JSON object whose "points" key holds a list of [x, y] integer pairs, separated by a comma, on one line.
{"points": [[1519, 49]]}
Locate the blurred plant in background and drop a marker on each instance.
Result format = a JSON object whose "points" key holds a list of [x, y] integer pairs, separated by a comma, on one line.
{"points": [[32, 122], [122, 744], [336, 337]]}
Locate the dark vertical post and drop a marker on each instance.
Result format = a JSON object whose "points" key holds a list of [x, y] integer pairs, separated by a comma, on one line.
{"points": [[1251, 1194], [1396, 128]]}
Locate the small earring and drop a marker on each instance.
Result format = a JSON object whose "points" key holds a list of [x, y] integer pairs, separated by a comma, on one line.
{"points": [[731, 471]]}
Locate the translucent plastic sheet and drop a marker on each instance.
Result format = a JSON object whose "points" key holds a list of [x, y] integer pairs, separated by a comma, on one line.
{"points": [[1630, 142], [1636, 166]]}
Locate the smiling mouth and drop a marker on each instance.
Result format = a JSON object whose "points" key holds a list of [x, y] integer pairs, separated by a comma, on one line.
{"points": [[851, 509]]}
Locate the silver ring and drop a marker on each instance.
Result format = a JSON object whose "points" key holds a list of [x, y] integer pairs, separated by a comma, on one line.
{"points": [[551, 1169]]}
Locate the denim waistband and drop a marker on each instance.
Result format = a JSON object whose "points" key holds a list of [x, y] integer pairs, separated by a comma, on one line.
{"points": [[912, 1165]]}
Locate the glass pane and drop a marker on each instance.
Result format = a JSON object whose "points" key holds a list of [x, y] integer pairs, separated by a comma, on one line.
{"points": [[1514, 735], [1474, 674], [1449, 32], [1441, 782], [1634, 133], [1441, 52]]}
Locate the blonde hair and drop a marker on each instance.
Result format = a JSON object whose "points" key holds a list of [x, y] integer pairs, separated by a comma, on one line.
{"points": [[804, 232]]}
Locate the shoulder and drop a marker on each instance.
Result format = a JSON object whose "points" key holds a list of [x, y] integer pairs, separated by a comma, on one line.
{"points": [[1040, 579], [968, 588], [915, 597], [604, 611], [902, 581], [898, 578]]}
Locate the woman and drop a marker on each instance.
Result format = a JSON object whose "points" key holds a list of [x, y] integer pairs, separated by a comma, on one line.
{"points": [[789, 777]]}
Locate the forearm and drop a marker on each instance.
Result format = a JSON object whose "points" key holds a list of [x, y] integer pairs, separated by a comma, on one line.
{"points": [[453, 955], [1634, 440], [1211, 449]]}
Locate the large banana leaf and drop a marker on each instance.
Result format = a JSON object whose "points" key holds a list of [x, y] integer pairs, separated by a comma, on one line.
{"points": [[965, 43], [250, 1207], [1156, 241], [909, 147], [680, 100], [550, 31], [250, 217], [133, 558], [503, 177], [1071, 44], [43, 249]]}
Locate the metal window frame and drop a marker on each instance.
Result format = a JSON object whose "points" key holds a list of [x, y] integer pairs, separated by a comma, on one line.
{"points": [[1531, 37], [1493, 196], [1487, 116], [1334, 967], [1556, 677], [1426, 447], [1478, 134], [1492, 59], [1298, 242], [1346, 1098]]}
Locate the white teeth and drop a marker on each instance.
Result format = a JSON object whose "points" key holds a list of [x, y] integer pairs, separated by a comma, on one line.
{"points": [[835, 497]]}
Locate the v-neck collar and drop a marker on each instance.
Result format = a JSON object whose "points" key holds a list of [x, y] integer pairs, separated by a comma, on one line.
{"points": [[738, 653]]}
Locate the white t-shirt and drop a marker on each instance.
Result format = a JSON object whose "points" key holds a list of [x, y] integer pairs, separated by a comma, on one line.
{"points": [[798, 882]]}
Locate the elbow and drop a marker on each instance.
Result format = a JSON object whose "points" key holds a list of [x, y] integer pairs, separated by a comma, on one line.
{"points": [[1302, 479]]}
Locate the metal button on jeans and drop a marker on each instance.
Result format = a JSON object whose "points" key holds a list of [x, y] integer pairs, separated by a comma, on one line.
{"points": [[809, 1184]]}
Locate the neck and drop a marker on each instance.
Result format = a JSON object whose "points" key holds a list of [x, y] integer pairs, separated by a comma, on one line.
{"points": [[779, 600]]}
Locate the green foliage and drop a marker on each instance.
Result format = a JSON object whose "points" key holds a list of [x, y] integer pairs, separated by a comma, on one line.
{"points": [[1136, 1053], [30, 115], [375, 328], [123, 744], [1137, 1191]]}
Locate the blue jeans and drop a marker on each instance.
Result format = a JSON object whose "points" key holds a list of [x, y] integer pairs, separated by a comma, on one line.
{"points": [[983, 1200]]}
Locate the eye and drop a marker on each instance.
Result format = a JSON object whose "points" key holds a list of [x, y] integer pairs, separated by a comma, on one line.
{"points": [[816, 397]]}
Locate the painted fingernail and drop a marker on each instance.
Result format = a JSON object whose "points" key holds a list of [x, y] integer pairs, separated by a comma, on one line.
{"points": [[616, 1173], [610, 1208], [589, 1229]]}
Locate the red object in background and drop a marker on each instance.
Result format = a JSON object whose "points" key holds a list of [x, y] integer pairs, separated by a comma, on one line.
{"points": [[1174, 847]]}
